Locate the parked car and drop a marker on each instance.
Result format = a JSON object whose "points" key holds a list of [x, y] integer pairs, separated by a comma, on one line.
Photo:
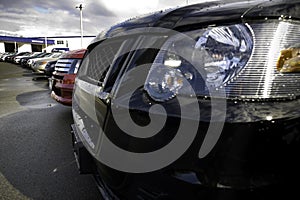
{"points": [[39, 65], [49, 68], [10, 58], [1, 54], [191, 103], [62, 81], [4, 55], [24, 60], [17, 59], [32, 61]]}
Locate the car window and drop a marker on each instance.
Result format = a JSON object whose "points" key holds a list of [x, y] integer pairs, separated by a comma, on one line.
{"points": [[100, 58]]}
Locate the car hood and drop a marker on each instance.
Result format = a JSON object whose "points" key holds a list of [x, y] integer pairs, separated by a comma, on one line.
{"points": [[239, 11], [209, 13], [47, 59], [37, 59]]}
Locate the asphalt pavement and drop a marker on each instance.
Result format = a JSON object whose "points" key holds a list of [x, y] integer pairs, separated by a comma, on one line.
{"points": [[36, 157]]}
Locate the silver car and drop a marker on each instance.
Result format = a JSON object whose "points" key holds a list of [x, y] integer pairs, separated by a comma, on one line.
{"points": [[39, 65]]}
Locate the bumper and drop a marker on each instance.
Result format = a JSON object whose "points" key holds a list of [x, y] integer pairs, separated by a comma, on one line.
{"points": [[62, 93], [247, 163], [39, 69], [86, 165], [84, 160], [60, 99], [254, 159]]}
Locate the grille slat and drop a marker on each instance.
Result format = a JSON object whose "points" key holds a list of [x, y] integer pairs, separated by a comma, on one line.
{"points": [[260, 77], [63, 65]]}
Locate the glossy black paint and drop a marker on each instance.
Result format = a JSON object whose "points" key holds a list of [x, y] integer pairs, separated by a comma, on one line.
{"points": [[283, 9], [251, 159], [210, 13], [255, 158], [49, 68]]}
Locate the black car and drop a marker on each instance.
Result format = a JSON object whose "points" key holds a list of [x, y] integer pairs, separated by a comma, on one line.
{"points": [[197, 102], [49, 68], [11, 57]]}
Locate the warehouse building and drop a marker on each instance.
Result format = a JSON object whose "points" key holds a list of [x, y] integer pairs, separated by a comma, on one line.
{"points": [[71, 42], [39, 44], [22, 44]]}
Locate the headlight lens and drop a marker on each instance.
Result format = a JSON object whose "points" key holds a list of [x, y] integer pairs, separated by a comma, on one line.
{"points": [[207, 60], [259, 61]]}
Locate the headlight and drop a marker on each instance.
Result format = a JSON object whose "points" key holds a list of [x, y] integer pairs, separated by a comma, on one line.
{"points": [[242, 59], [209, 60]]}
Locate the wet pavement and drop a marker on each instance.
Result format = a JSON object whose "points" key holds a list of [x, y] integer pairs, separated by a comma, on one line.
{"points": [[36, 157]]}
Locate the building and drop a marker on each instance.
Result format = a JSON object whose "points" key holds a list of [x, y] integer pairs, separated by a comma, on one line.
{"points": [[71, 42], [22, 44], [38, 44]]}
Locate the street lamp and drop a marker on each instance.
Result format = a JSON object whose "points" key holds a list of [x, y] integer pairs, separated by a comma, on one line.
{"points": [[80, 6]]}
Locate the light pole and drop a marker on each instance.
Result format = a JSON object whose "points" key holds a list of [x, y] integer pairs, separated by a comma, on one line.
{"points": [[46, 42], [81, 26]]}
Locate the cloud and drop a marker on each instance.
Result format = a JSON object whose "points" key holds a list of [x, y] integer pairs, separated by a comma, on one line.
{"points": [[47, 18], [98, 9], [130, 6], [39, 18]]}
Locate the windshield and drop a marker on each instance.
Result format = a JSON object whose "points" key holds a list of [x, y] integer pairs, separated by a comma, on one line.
{"points": [[55, 55]]}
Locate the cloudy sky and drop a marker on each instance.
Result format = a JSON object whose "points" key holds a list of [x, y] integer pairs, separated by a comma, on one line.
{"points": [[30, 18]]}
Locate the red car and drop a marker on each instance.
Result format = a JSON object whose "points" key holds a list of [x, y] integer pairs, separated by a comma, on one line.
{"points": [[62, 81]]}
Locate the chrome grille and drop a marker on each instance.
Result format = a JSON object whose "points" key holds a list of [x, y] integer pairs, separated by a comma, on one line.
{"points": [[260, 78], [63, 65]]}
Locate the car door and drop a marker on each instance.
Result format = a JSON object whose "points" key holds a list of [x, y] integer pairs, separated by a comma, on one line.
{"points": [[94, 82]]}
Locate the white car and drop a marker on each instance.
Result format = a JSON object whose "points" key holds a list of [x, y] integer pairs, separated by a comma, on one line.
{"points": [[17, 59], [31, 62], [2, 58]]}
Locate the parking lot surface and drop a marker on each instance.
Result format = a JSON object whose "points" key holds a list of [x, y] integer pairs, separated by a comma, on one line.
{"points": [[36, 157]]}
